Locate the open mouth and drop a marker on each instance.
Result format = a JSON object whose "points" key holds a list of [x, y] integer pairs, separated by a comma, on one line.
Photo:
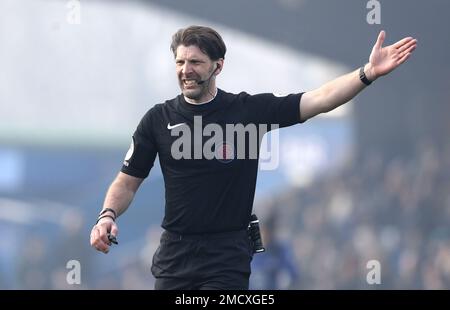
{"points": [[190, 82]]}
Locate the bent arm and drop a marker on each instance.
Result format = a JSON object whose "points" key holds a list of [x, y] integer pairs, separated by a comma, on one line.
{"points": [[121, 192], [118, 198]]}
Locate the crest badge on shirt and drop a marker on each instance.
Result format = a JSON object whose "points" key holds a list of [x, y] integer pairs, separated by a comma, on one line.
{"points": [[225, 153]]}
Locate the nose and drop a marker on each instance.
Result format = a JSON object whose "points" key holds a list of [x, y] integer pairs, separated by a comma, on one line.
{"points": [[186, 68]]}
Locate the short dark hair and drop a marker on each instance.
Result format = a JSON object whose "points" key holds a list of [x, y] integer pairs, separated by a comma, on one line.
{"points": [[206, 39]]}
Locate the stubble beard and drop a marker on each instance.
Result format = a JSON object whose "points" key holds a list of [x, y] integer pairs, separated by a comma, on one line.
{"points": [[193, 94]]}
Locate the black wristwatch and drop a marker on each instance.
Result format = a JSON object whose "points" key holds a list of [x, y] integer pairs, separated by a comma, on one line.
{"points": [[363, 77]]}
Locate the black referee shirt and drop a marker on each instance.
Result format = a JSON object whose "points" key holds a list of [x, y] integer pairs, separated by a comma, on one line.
{"points": [[206, 195]]}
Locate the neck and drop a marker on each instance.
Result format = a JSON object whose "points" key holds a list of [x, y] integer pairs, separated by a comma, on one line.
{"points": [[199, 102]]}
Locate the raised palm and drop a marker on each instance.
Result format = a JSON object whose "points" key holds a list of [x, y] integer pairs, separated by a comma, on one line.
{"points": [[385, 59]]}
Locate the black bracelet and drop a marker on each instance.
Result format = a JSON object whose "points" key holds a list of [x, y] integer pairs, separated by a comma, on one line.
{"points": [[103, 216], [106, 210]]}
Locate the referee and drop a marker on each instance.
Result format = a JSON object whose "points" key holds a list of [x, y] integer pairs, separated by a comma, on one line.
{"points": [[209, 174]]}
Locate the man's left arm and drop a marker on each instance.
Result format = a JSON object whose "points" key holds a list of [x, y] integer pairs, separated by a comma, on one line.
{"points": [[382, 60]]}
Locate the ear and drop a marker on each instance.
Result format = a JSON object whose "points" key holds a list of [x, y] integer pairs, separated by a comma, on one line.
{"points": [[219, 66]]}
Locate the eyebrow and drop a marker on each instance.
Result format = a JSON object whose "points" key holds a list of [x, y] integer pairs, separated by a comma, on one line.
{"points": [[190, 60]]}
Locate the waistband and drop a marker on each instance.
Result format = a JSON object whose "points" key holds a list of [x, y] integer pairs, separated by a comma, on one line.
{"points": [[228, 234]]}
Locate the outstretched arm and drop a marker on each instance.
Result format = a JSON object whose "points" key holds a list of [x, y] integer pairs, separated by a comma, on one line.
{"points": [[382, 60]]}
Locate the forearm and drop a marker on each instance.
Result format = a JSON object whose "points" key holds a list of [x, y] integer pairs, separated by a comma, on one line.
{"points": [[119, 197], [333, 94], [343, 89]]}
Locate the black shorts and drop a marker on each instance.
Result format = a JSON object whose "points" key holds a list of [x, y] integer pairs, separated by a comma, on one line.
{"points": [[209, 261]]}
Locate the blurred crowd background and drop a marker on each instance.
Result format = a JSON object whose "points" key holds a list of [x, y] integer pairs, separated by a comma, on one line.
{"points": [[370, 181]]}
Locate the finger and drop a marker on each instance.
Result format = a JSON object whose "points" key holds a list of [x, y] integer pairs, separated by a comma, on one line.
{"points": [[99, 244], [407, 46], [114, 230], [408, 51], [380, 39], [403, 59], [402, 42], [92, 239], [103, 234], [96, 239]]}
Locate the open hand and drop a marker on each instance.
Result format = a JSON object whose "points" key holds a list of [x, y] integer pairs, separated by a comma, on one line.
{"points": [[383, 60]]}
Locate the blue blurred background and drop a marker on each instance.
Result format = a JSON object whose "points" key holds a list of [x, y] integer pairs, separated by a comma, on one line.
{"points": [[369, 181]]}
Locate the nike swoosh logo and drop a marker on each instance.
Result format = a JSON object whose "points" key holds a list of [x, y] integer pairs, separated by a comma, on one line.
{"points": [[174, 126]]}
